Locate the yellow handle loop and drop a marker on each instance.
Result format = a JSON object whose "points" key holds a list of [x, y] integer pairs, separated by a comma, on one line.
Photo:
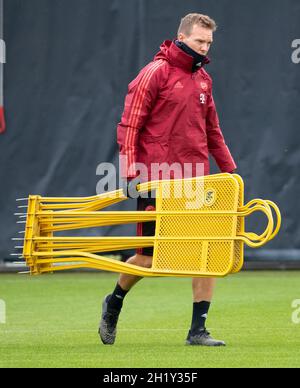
{"points": [[278, 214], [272, 205], [252, 239]]}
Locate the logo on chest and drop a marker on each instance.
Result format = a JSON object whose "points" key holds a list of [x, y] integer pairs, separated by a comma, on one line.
{"points": [[202, 98], [203, 86], [178, 85]]}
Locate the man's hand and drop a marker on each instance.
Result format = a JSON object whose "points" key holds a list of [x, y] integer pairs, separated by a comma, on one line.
{"points": [[129, 186]]}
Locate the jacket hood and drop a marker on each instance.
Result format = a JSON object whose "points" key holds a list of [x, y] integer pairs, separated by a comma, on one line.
{"points": [[176, 56]]}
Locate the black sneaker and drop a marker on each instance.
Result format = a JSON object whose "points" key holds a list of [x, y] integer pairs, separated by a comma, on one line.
{"points": [[108, 324], [202, 337]]}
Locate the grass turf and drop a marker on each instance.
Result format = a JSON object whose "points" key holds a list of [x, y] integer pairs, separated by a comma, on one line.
{"points": [[52, 321]]}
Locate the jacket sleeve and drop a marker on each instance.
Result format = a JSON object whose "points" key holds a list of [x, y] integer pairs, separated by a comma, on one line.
{"points": [[142, 92], [215, 140]]}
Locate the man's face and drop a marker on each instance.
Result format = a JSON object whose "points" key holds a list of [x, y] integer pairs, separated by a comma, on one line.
{"points": [[199, 40]]}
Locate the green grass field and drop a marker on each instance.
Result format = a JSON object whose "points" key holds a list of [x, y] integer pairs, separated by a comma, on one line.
{"points": [[52, 321]]}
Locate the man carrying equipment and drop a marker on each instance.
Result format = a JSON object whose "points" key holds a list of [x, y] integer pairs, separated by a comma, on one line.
{"points": [[170, 117]]}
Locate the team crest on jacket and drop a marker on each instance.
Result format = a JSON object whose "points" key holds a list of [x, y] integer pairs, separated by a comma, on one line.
{"points": [[203, 85]]}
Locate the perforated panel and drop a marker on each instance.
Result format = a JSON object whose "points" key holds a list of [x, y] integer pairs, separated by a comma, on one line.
{"points": [[219, 258], [238, 252], [199, 253]]}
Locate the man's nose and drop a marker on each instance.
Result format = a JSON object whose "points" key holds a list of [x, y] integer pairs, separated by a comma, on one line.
{"points": [[204, 48]]}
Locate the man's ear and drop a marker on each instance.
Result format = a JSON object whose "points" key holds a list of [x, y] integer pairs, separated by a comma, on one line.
{"points": [[180, 36]]}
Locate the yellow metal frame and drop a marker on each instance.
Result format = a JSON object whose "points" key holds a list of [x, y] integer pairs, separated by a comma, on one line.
{"points": [[206, 239]]}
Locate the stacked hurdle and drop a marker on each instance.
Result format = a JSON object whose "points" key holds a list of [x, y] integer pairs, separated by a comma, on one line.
{"points": [[200, 229]]}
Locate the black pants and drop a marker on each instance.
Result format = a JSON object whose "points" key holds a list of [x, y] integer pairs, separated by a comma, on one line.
{"points": [[146, 228]]}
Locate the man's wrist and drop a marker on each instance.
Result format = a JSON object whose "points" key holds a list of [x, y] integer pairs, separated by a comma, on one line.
{"points": [[130, 187]]}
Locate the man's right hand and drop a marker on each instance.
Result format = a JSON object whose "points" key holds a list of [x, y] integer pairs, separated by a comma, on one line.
{"points": [[129, 186]]}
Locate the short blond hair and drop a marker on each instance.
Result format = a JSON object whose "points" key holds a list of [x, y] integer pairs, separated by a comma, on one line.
{"points": [[189, 20]]}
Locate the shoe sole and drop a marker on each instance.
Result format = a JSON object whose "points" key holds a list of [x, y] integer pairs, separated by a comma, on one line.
{"points": [[212, 345]]}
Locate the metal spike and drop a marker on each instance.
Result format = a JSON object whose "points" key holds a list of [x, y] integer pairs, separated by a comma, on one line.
{"points": [[17, 239], [16, 254], [22, 231], [19, 263], [22, 206], [20, 214], [24, 272], [21, 222], [18, 247], [21, 199]]}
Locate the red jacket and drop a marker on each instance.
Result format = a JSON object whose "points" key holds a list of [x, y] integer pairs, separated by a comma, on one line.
{"points": [[170, 116]]}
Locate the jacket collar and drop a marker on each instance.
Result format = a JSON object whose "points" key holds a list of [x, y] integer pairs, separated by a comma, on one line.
{"points": [[176, 56], [198, 59]]}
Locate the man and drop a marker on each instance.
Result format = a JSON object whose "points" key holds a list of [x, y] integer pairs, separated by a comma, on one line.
{"points": [[170, 117]]}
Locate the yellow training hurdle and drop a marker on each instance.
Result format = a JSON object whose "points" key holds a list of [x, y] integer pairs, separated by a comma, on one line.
{"points": [[200, 229]]}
